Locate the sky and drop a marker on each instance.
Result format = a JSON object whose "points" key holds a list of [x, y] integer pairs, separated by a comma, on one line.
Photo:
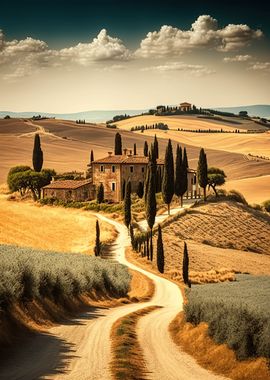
{"points": [[65, 56]]}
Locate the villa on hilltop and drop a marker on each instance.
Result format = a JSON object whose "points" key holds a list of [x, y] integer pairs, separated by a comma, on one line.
{"points": [[113, 171]]}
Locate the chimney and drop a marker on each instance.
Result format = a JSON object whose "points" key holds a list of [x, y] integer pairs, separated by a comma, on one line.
{"points": [[125, 151], [110, 154]]}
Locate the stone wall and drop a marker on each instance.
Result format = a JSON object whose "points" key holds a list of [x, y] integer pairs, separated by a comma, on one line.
{"points": [[107, 177]]}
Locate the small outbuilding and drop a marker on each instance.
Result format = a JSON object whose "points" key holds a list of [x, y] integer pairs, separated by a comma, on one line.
{"points": [[185, 107], [69, 190]]}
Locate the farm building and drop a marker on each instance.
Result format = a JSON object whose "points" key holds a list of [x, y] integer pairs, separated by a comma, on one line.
{"points": [[113, 171], [185, 107], [69, 190]]}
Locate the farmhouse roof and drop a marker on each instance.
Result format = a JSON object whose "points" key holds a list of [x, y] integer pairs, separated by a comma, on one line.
{"points": [[67, 184], [185, 104], [124, 159]]}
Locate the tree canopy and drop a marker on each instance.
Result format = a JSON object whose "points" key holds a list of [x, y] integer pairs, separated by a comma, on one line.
{"points": [[216, 177]]}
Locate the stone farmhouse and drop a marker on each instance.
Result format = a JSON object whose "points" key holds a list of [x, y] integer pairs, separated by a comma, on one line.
{"points": [[185, 107], [113, 171]]}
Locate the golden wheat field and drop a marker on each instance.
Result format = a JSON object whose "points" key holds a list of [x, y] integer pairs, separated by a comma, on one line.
{"points": [[50, 228]]}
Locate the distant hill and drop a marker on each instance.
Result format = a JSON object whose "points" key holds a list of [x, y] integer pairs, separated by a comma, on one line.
{"points": [[91, 116], [262, 110]]}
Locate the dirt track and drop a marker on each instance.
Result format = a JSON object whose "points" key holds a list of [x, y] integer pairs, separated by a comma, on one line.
{"points": [[80, 349]]}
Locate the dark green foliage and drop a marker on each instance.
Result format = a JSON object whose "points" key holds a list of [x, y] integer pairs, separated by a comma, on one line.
{"points": [[150, 202], [100, 193], [127, 205], [37, 154], [145, 149], [123, 189], [160, 251], [140, 189], [168, 176], [131, 234], [135, 149], [155, 147], [216, 177], [28, 274], [202, 172], [237, 313], [16, 182], [185, 159], [266, 205], [118, 144], [147, 247], [22, 180], [185, 265], [150, 198], [97, 248], [181, 174], [92, 156]]}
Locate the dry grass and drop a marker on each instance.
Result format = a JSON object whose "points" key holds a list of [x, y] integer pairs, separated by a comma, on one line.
{"points": [[127, 357], [142, 287], [224, 225], [222, 238], [49, 228], [175, 122], [216, 357]]}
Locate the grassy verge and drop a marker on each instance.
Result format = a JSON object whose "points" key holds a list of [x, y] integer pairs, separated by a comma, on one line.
{"points": [[39, 287], [237, 314], [127, 357], [218, 358]]}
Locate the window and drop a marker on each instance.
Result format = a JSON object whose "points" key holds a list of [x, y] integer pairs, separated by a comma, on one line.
{"points": [[113, 168], [113, 186], [131, 169], [101, 168], [142, 169]]}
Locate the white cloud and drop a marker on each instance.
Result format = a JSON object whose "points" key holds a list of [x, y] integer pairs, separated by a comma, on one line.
{"points": [[204, 33], [27, 56], [238, 58], [260, 66], [196, 70], [103, 47]]}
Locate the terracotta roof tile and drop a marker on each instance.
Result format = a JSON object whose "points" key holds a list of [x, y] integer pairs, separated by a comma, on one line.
{"points": [[67, 184], [122, 159]]}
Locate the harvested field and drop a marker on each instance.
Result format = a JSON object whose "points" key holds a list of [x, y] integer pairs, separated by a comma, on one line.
{"points": [[50, 228]]}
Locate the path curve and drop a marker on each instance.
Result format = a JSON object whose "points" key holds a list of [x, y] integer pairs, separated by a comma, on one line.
{"points": [[81, 349]]}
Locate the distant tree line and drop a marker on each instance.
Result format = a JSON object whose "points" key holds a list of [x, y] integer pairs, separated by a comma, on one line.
{"points": [[142, 128]]}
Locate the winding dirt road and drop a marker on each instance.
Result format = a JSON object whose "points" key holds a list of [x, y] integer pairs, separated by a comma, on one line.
{"points": [[80, 349]]}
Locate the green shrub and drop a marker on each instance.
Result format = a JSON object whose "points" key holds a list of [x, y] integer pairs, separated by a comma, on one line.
{"points": [[235, 196], [266, 205], [237, 313], [28, 274]]}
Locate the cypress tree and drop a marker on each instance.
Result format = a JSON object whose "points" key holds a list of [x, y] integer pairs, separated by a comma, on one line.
{"points": [[181, 174], [140, 189], [100, 193], [123, 189], [160, 251], [134, 149], [37, 154], [150, 204], [127, 204], [147, 247], [156, 147], [202, 172], [97, 248], [185, 265], [131, 232], [185, 159], [118, 144], [145, 149], [168, 176], [92, 156]]}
